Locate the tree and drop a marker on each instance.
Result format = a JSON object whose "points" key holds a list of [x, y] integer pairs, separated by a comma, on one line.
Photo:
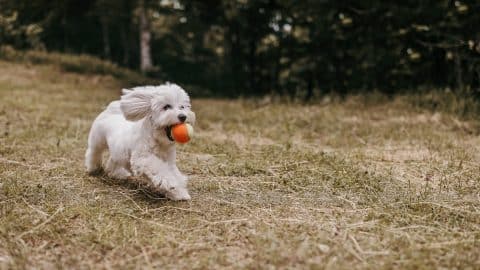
{"points": [[146, 63], [299, 49]]}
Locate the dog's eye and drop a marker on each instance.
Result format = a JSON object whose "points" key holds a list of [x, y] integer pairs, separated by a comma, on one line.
{"points": [[167, 107], [182, 107]]}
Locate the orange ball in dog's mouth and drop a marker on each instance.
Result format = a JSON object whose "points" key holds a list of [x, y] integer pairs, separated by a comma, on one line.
{"points": [[181, 133]]}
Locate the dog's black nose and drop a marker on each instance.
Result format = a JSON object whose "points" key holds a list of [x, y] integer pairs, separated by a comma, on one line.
{"points": [[182, 117]]}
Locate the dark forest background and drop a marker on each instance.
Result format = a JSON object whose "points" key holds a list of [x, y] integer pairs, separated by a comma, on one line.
{"points": [[237, 48]]}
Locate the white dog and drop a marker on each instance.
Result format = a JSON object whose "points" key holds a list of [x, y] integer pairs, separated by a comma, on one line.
{"points": [[136, 132]]}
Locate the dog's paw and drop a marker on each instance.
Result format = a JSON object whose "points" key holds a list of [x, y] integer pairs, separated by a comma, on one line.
{"points": [[120, 173], [178, 194]]}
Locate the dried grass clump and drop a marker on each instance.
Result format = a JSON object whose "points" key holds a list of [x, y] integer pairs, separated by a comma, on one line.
{"points": [[345, 185]]}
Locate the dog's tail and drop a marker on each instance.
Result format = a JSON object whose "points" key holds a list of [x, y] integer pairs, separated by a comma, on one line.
{"points": [[96, 146]]}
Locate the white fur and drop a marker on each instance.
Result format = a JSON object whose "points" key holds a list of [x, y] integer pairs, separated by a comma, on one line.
{"points": [[133, 131]]}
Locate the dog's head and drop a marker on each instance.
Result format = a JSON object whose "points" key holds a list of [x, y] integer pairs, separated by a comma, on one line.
{"points": [[164, 105]]}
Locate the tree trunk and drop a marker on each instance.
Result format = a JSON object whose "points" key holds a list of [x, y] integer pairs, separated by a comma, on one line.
{"points": [[145, 36], [106, 38], [125, 45], [252, 66], [276, 70], [64, 27], [234, 55], [309, 94], [458, 70]]}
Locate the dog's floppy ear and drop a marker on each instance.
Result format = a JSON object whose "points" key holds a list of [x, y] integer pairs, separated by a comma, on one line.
{"points": [[135, 105]]}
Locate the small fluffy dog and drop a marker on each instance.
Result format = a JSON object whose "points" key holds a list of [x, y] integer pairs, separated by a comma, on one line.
{"points": [[134, 130]]}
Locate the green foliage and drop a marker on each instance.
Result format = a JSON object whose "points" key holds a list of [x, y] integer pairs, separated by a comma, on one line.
{"points": [[257, 47], [20, 35]]}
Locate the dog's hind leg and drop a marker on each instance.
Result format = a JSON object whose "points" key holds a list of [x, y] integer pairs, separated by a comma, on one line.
{"points": [[116, 169], [93, 156]]}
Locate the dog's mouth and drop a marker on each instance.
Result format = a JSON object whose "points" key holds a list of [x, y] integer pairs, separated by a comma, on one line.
{"points": [[168, 131]]}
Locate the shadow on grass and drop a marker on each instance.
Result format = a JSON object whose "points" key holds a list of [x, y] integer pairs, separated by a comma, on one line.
{"points": [[140, 189]]}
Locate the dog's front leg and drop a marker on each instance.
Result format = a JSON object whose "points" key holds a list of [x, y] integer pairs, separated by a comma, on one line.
{"points": [[179, 175], [162, 175]]}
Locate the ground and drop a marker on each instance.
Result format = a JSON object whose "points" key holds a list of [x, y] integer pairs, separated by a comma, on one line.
{"points": [[353, 184]]}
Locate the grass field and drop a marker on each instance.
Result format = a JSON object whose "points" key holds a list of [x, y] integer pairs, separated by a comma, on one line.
{"points": [[356, 184]]}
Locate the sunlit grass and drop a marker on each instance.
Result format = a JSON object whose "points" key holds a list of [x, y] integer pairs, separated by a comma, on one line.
{"points": [[81, 64]]}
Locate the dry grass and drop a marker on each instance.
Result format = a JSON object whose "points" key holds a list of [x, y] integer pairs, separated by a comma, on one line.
{"points": [[335, 186]]}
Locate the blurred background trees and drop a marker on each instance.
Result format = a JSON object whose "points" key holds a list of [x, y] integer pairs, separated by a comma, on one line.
{"points": [[299, 49]]}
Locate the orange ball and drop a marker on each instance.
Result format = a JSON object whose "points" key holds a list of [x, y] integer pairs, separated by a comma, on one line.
{"points": [[182, 133]]}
